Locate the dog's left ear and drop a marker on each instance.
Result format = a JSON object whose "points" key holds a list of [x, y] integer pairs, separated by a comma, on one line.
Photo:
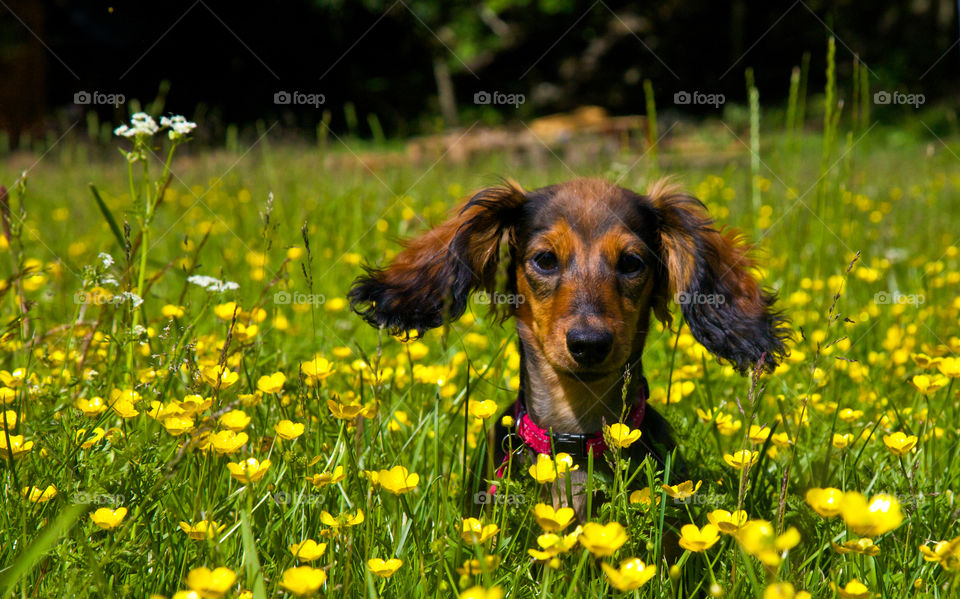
{"points": [[429, 282], [708, 274]]}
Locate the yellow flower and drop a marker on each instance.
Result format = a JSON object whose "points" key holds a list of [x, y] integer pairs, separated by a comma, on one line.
{"points": [[871, 518], [862, 546], [827, 502], [172, 311], [758, 538], [303, 580], [91, 406], [17, 446], [37, 495], [552, 520], [384, 569], [308, 550], [620, 435], [13, 379], [204, 529], [250, 470], [947, 553], [849, 415], [603, 539], [854, 590], [900, 444], [632, 574], [926, 384], [698, 539], [106, 518], [483, 409], [741, 459], [705, 416], [288, 430], [398, 480], [478, 592], [728, 523], [226, 311], [8, 419], [122, 402], [683, 491], [218, 376], [271, 383], [177, 425], [344, 520], [317, 369], [235, 420], [473, 531], [949, 367], [727, 425], [552, 544], [211, 583], [327, 478], [350, 409], [7, 395], [472, 567], [842, 440], [758, 434], [227, 442]]}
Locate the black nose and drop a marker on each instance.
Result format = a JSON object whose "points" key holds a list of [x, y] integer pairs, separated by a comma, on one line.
{"points": [[589, 346]]}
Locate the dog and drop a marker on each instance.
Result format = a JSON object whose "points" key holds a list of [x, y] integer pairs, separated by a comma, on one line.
{"points": [[592, 261]]}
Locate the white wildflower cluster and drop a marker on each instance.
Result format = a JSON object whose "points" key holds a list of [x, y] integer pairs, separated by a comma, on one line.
{"points": [[212, 284], [143, 125], [179, 126]]}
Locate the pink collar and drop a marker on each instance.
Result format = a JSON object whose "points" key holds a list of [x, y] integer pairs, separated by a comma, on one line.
{"points": [[577, 445]]}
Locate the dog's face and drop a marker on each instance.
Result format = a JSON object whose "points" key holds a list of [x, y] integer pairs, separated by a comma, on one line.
{"points": [[586, 268], [589, 262]]}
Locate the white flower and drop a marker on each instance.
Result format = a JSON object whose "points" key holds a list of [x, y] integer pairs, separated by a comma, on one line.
{"points": [[133, 298], [179, 126], [141, 123], [212, 284], [106, 259]]}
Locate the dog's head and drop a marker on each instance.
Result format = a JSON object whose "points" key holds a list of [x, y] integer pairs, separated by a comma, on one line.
{"points": [[589, 261]]}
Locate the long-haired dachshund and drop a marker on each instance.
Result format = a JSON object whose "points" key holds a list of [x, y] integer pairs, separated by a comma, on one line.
{"points": [[590, 261]]}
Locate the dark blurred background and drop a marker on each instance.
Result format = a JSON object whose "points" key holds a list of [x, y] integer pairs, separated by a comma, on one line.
{"points": [[416, 65]]}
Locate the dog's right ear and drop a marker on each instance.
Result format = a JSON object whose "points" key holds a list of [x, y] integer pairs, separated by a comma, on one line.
{"points": [[430, 281]]}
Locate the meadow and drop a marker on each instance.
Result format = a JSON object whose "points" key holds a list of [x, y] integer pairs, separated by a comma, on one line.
{"points": [[209, 419]]}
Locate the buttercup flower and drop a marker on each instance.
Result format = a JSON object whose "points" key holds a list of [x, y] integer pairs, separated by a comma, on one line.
{"points": [[384, 568], [204, 529], [871, 518], [620, 435], [478, 592], [308, 550], [862, 546], [250, 470], [603, 539], [227, 442], [483, 409], [826, 502], [327, 478], [928, 385], [211, 583], [899, 443], [106, 518], [472, 567], [644, 497], [854, 590], [683, 491], [344, 520], [632, 574], [219, 376], [741, 459], [17, 447], [546, 470], [37, 495], [271, 383], [92, 406], [473, 531], [235, 420], [698, 539], [726, 522], [552, 544], [398, 480], [303, 580], [552, 520], [946, 553], [288, 430], [784, 590]]}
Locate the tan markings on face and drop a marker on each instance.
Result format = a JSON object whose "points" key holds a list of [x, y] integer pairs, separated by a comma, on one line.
{"points": [[586, 291]]}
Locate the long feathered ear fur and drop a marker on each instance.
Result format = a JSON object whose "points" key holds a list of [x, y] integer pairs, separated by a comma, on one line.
{"points": [[707, 273], [429, 282]]}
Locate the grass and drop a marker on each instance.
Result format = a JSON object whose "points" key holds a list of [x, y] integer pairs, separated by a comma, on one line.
{"points": [[856, 235]]}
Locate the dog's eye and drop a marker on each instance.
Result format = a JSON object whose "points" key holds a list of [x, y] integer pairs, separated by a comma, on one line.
{"points": [[629, 264], [545, 262]]}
